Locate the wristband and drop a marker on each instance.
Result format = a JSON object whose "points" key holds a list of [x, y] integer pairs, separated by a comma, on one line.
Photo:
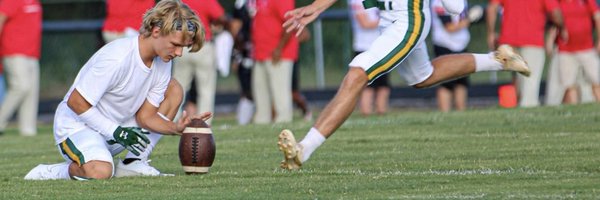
{"points": [[97, 121]]}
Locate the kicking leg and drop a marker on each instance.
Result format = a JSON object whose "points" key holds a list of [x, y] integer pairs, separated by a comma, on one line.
{"points": [[343, 103], [458, 65], [331, 118]]}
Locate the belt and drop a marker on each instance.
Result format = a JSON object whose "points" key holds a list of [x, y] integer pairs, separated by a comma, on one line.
{"points": [[381, 5]]}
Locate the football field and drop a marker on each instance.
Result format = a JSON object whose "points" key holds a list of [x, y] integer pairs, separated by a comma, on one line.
{"points": [[538, 153]]}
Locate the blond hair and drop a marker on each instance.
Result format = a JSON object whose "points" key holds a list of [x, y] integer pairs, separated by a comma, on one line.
{"points": [[173, 15]]}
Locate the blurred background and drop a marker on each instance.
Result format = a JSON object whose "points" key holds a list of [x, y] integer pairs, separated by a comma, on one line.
{"points": [[72, 34]]}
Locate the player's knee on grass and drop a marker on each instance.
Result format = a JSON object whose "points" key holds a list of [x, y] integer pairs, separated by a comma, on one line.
{"points": [[96, 170]]}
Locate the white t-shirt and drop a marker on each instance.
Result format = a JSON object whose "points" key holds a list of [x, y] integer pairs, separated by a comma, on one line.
{"points": [[116, 81], [455, 41], [362, 38]]}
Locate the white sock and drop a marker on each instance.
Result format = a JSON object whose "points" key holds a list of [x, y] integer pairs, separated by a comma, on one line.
{"points": [[486, 62], [311, 142], [62, 170], [154, 138]]}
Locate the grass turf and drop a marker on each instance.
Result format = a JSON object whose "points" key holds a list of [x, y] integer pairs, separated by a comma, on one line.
{"points": [[538, 153]]}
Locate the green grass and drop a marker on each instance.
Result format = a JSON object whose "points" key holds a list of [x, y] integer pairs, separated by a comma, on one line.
{"points": [[540, 153]]}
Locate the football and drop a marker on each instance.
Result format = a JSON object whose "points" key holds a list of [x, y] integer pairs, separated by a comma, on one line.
{"points": [[197, 148]]}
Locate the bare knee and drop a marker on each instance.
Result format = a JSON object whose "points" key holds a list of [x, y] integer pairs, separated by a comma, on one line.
{"points": [[356, 77], [96, 170], [174, 90]]}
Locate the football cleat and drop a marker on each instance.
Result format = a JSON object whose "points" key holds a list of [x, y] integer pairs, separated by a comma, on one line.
{"points": [[137, 168], [510, 60], [46, 172], [292, 151]]}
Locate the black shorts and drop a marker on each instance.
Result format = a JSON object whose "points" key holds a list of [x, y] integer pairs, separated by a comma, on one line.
{"points": [[440, 51]]}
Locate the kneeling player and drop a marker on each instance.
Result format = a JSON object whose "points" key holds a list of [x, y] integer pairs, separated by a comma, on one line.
{"points": [[124, 87]]}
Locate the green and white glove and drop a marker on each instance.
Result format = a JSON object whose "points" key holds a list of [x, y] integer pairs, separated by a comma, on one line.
{"points": [[132, 138]]}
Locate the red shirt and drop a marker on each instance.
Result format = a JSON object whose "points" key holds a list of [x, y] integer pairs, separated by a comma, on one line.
{"points": [[523, 21], [121, 14], [22, 30], [578, 21], [267, 29], [207, 11]]}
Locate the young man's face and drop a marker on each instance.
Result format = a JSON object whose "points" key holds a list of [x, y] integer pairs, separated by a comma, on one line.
{"points": [[171, 46]]}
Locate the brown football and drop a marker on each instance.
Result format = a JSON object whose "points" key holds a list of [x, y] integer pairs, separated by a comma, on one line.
{"points": [[197, 148]]}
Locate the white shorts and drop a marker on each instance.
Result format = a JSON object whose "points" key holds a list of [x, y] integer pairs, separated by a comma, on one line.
{"points": [[87, 144], [571, 63], [401, 43]]}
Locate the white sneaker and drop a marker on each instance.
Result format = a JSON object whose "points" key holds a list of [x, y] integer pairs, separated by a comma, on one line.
{"points": [[136, 168], [46, 172], [292, 151]]}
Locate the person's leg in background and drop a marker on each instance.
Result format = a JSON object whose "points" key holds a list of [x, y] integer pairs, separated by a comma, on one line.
{"points": [[461, 94], [23, 74], [245, 108], [443, 96], [206, 79], [588, 60], [590, 75], [454, 91], [190, 101], [378, 94], [529, 87], [297, 96], [280, 85], [261, 93], [554, 90], [366, 101], [568, 70], [382, 95]]}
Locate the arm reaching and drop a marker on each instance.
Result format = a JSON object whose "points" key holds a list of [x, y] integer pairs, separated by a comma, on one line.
{"points": [[149, 118], [298, 18]]}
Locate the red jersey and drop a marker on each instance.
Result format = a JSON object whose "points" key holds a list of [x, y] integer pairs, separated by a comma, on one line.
{"points": [[523, 21], [578, 21], [267, 29], [22, 31], [121, 14], [207, 11]]}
